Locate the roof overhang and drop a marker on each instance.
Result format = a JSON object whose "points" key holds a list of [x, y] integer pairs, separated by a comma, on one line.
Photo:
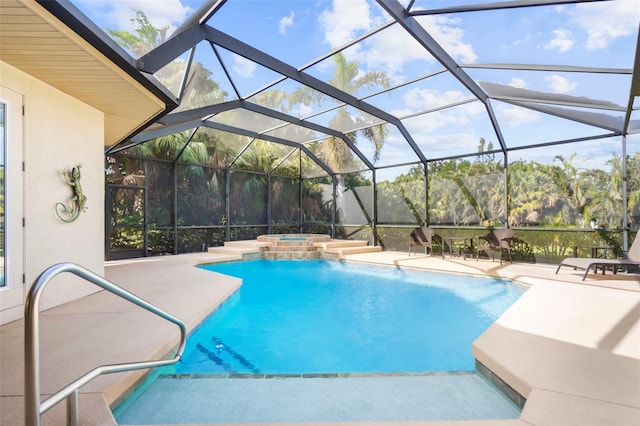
{"points": [[55, 43]]}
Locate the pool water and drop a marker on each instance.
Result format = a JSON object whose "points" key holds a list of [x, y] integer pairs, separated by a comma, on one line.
{"points": [[321, 316], [327, 341]]}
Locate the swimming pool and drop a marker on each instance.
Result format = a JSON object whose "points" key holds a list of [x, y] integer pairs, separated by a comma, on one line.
{"points": [[320, 341], [334, 317]]}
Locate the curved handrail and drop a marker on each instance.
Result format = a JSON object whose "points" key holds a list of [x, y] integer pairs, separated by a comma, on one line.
{"points": [[33, 408]]}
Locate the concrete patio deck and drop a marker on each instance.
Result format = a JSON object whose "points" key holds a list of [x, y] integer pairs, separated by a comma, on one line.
{"points": [[572, 348]]}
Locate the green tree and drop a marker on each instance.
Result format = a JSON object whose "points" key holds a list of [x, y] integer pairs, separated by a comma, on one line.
{"points": [[464, 192], [633, 190], [348, 78], [200, 88], [533, 195], [573, 187], [605, 194], [145, 38]]}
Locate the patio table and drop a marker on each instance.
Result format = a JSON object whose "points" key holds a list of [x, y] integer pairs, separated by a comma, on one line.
{"points": [[461, 245], [595, 251]]}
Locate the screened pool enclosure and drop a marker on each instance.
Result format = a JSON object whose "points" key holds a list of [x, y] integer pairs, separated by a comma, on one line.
{"points": [[364, 119]]}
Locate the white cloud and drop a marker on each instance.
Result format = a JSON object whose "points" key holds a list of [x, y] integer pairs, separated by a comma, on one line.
{"points": [[459, 117], [562, 41], [391, 52], [517, 83], [451, 120], [514, 117], [285, 22], [473, 109], [301, 110], [388, 53], [420, 100], [431, 122], [559, 84], [345, 20], [441, 145], [604, 22], [243, 67], [523, 40], [449, 35], [117, 14]]}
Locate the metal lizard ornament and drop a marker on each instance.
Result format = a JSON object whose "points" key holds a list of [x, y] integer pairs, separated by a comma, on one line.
{"points": [[77, 203]]}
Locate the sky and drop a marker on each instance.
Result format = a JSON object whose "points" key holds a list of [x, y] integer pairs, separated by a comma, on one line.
{"points": [[600, 34]]}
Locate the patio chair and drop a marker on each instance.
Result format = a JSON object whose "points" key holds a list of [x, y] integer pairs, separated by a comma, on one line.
{"points": [[585, 263], [496, 240], [421, 237]]}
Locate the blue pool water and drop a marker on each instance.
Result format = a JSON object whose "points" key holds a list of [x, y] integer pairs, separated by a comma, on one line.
{"points": [[334, 317], [297, 323]]}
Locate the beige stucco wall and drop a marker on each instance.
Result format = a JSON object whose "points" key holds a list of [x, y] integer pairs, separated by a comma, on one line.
{"points": [[59, 132]]}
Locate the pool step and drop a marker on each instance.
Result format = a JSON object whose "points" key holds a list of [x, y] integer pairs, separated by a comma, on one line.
{"points": [[342, 251], [341, 243], [248, 243], [406, 399], [291, 247], [221, 257], [336, 249], [292, 255], [292, 243], [242, 251], [234, 249]]}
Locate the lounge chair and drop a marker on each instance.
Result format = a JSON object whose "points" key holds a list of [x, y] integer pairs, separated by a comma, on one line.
{"points": [[496, 240], [421, 237], [585, 263]]}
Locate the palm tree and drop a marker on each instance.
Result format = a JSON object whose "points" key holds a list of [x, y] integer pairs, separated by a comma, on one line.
{"points": [[334, 151], [533, 195], [572, 185], [348, 78], [606, 194]]}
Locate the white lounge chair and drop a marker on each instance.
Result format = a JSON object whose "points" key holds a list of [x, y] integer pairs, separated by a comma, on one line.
{"points": [[585, 263]]}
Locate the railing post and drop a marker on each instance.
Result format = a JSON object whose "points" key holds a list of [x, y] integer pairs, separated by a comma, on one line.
{"points": [[33, 407], [73, 409], [32, 358]]}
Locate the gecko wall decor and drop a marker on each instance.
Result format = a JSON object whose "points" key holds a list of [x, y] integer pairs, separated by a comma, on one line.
{"points": [[77, 204]]}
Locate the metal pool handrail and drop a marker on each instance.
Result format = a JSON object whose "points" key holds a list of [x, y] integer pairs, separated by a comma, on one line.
{"points": [[33, 408]]}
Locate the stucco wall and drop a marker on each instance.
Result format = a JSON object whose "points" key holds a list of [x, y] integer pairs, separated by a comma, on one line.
{"points": [[59, 132]]}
